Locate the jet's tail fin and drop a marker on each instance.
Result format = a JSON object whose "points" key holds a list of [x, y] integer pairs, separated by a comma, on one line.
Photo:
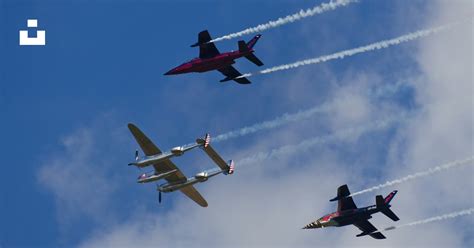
{"points": [[253, 41], [242, 46], [384, 206], [390, 196]]}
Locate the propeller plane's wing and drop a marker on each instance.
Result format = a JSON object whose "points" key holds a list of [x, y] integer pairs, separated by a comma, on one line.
{"points": [[145, 143], [149, 148], [192, 193]]}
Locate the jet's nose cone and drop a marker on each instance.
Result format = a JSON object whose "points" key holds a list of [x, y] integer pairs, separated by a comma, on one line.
{"points": [[170, 72], [312, 225]]}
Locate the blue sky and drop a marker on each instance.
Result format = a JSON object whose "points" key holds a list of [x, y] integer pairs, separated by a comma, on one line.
{"points": [[65, 107]]}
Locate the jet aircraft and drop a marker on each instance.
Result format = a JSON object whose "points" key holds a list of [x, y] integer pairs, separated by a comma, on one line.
{"points": [[348, 214], [211, 59], [165, 169]]}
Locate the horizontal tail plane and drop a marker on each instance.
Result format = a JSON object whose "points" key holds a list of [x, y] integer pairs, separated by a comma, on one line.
{"points": [[384, 206], [245, 47]]}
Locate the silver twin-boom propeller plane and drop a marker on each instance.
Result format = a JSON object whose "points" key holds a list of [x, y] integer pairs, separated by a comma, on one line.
{"points": [[165, 169]]}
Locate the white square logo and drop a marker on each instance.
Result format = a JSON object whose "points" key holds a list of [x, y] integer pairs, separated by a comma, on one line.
{"points": [[38, 40]]}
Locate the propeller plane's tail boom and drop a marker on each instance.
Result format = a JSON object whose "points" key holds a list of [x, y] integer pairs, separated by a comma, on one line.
{"points": [[228, 168]]}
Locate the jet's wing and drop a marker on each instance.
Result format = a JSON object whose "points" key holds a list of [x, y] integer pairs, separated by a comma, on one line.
{"points": [[344, 200], [206, 49], [164, 166], [345, 204], [231, 73], [216, 157], [368, 229], [145, 143]]}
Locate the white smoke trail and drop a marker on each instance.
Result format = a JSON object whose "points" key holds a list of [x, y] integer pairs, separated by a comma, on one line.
{"points": [[352, 52], [279, 121], [300, 115], [428, 172], [308, 143], [433, 219], [332, 5]]}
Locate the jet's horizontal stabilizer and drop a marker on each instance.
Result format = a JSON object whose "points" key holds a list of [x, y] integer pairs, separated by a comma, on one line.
{"points": [[254, 59], [384, 206], [244, 47], [390, 214], [226, 79]]}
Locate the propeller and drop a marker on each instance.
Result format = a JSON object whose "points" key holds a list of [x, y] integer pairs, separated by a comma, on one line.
{"points": [[159, 197], [136, 159], [136, 155]]}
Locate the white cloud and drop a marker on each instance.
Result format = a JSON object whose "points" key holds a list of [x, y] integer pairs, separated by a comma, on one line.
{"points": [[80, 176]]}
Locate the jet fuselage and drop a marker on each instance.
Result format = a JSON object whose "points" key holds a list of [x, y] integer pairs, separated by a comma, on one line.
{"points": [[344, 218], [208, 64]]}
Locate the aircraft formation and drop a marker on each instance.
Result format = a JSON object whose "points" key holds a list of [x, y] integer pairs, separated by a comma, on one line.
{"points": [[164, 169], [210, 59]]}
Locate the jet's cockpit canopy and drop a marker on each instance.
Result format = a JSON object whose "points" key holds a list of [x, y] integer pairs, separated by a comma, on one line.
{"points": [[193, 60]]}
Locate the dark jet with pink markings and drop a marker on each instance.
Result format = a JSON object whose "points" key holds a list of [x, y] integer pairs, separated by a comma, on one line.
{"points": [[348, 214], [211, 59]]}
